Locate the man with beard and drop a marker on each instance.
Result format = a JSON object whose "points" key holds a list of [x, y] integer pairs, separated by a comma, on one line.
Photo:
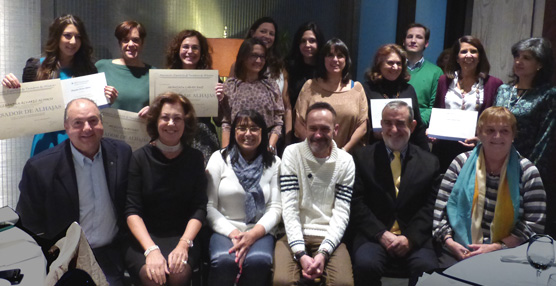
{"points": [[395, 189], [316, 180]]}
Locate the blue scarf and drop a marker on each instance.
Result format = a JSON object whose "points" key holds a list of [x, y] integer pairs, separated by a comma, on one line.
{"points": [[460, 203], [249, 176]]}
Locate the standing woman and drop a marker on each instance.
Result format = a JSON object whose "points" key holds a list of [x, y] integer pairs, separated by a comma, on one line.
{"points": [[67, 54], [466, 85], [532, 99], [302, 60], [166, 196], [334, 86], [266, 30], [250, 88], [128, 74], [387, 79], [244, 204], [190, 50]]}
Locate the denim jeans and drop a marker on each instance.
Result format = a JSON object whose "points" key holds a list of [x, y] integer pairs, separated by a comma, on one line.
{"points": [[256, 267]]}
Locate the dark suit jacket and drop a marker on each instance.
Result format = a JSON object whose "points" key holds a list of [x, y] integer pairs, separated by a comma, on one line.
{"points": [[49, 200], [374, 206]]}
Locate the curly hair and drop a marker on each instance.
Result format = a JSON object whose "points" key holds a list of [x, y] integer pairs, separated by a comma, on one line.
{"points": [[173, 60], [375, 75], [190, 120], [82, 59]]}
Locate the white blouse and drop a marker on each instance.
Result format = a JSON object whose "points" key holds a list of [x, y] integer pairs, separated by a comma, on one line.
{"points": [[456, 99]]}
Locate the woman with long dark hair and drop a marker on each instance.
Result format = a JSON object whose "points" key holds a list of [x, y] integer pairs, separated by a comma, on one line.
{"points": [[244, 204]]}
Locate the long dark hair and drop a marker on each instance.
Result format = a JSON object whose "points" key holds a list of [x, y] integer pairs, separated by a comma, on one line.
{"points": [[340, 47], [173, 60], [274, 61], [482, 68], [241, 117], [243, 54], [82, 60], [295, 58]]}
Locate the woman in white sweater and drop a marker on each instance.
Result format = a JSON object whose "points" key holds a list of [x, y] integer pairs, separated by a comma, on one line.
{"points": [[244, 204]]}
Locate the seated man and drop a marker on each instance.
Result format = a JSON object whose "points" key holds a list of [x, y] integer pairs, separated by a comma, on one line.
{"points": [[316, 180], [395, 189], [83, 179]]}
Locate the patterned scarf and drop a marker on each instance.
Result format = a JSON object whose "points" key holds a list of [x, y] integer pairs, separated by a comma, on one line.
{"points": [[249, 176], [465, 206]]}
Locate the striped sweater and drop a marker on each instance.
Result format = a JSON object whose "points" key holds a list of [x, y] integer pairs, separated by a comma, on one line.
{"points": [[316, 197], [532, 205]]}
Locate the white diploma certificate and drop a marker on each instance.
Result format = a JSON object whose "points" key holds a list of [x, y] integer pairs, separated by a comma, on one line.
{"points": [[36, 107], [126, 126], [196, 85], [452, 124], [377, 105], [89, 86]]}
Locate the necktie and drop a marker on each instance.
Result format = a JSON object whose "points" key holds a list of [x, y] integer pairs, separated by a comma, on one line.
{"points": [[396, 166]]}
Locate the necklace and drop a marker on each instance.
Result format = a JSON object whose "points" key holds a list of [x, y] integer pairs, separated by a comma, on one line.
{"points": [[518, 96], [165, 148], [463, 93], [387, 97]]}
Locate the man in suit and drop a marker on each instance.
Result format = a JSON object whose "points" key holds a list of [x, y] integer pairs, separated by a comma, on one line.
{"points": [[83, 179], [394, 193]]}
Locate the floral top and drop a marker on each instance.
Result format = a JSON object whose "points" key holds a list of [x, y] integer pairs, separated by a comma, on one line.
{"points": [[535, 112], [262, 95]]}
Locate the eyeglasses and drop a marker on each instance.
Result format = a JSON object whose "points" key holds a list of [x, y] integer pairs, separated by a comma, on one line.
{"points": [[257, 56], [244, 129]]}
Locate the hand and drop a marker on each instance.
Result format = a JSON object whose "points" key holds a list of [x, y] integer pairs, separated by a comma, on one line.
{"points": [[317, 267], [431, 139], [386, 239], [482, 248], [111, 93], [143, 112], [469, 142], [305, 262], [399, 247], [219, 90], [242, 242], [458, 250], [11, 81], [177, 257], [156, 267]]}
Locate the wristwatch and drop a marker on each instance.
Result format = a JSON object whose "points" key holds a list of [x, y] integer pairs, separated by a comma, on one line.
{"points": [[188, 241], [297, 256]]}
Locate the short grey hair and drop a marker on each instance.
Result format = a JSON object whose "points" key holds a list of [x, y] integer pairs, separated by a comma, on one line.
{"points": [[399, 104]]}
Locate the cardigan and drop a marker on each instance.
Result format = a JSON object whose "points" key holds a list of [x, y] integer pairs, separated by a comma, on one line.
{"points": [[316, 197], [226, 197], [490, 85]]}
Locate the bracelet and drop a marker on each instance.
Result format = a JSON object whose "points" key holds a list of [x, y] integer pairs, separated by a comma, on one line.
{"points": [[189, 242], [446, 238], [325, 253], [502, 245], [154, 247]]}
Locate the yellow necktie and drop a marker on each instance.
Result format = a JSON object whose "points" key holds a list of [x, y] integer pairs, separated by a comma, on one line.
{"points": [[396, 166]]}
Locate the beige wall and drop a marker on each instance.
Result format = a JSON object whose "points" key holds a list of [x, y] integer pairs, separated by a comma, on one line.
{"points": [[501, 23]]}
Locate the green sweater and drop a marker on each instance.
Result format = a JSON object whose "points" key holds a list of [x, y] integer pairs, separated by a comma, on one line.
{"points": [[132, 84], [425, 79]]}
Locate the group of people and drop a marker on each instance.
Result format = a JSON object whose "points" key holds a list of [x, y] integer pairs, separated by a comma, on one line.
{"points": [[350, 212]]}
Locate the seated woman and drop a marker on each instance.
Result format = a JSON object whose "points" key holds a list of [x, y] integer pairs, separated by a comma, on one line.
{"points": [[490, 198], [250, 88], [334, 86], [166, 196], [244, 204], [387, 79]]}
